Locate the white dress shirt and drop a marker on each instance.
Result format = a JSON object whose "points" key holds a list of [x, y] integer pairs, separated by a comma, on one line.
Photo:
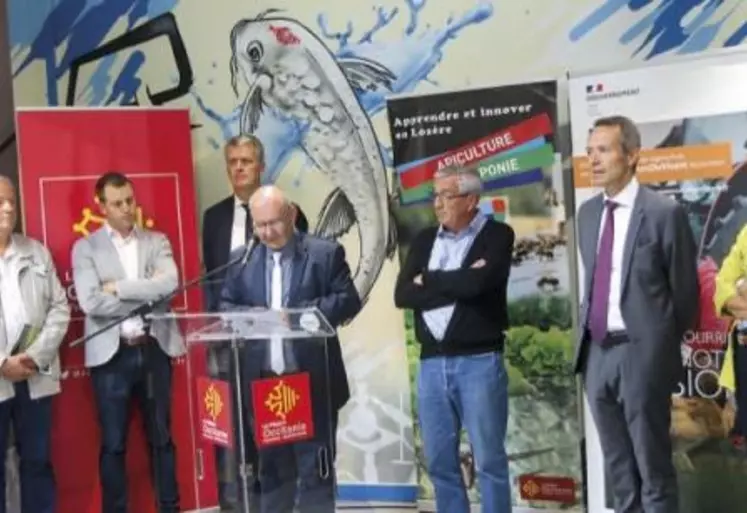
{"points": [[14, 313], [625, 200], [238, 229], [128, 256]]}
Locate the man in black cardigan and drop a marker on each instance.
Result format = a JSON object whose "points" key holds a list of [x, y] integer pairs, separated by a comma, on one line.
{"points": [[226, 226], [455, 279]]}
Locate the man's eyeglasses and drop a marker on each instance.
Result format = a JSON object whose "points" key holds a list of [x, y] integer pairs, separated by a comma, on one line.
{"points": [[269, 225], [447, 195]]}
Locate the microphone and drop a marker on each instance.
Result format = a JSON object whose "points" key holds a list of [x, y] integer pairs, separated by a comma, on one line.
{"points": [[147, 307], [251, 245]]}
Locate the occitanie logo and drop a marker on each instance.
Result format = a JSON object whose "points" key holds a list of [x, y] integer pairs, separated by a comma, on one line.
{"points": [[213, 402], [531, 489], [88, 218], [282, 400]]}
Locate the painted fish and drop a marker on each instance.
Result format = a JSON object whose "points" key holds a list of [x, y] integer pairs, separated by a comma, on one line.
{"points": [[289, 69]]}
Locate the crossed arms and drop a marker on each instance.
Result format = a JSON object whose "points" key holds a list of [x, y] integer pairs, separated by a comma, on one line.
{"points": [[118, 298], [418, 288]]}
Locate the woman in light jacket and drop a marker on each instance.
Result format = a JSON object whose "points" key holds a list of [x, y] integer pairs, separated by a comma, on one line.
{"points": [[34, 316]]}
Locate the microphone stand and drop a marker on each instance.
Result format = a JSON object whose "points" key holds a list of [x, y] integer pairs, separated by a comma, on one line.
{"points": [[146, 308], [143, 311]]}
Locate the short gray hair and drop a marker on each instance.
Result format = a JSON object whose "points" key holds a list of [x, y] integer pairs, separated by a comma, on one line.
{"points": [[468, 178], [248, 140], [630, 136]]}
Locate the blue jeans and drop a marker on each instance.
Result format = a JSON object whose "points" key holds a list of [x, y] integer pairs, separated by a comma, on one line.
{"points": [[115, 384], [470, 392], [32, 427]]}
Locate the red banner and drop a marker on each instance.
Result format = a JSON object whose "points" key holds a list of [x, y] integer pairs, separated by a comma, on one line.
{"points": [[214, 409], [282, 410], [61, 154]]}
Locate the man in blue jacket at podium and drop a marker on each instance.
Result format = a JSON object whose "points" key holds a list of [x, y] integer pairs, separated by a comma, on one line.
{"points": [[226, 226], [291, 270]]}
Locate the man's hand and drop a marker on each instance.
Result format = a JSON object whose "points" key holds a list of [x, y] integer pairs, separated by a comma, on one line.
{"points": [[28, 362], [418, 279], [15, 369], [478, 264], [110, 288]]}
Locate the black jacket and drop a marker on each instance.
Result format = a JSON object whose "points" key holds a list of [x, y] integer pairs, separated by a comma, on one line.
{"points": [[480, 294]]}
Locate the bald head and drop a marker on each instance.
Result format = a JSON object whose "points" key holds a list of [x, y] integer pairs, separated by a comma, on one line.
{"points": [[273, 215], [269, 194]]}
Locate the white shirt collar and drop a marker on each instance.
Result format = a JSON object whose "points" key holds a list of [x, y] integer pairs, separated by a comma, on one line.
{"points": [[238, 202], [626, 197], [117, 237]]}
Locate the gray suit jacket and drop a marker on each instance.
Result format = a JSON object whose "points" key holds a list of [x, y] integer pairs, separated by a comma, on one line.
{"points": [[46, 306], [96, 261], [659, 294]]}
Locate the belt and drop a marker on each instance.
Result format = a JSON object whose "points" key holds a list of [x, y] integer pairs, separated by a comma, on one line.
{"points": [[615, 338], [134, 341]]}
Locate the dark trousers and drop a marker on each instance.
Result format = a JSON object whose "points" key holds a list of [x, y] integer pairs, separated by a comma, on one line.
{"points": [[142, 373], [740, 375], [632, 413], [32, 424], [300, 477], [231, 493]]}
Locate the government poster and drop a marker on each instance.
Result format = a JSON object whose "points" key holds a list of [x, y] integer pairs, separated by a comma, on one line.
{"points": [[692, 116]]}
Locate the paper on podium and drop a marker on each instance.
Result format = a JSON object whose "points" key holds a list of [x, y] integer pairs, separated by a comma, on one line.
{"points": [[251, 324]]}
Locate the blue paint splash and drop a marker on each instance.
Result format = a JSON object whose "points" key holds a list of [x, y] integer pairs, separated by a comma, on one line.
{"points": [[38, 30], [412, 59], [41, 30], [127, 82], [680, 26]]}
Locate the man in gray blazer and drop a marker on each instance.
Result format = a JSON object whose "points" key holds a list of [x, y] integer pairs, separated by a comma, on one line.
{"points": [[640, 297], [116, 269], [34, 316]]}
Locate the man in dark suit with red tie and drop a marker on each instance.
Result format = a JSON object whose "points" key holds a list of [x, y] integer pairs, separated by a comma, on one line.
{"points": [[226, 226]]}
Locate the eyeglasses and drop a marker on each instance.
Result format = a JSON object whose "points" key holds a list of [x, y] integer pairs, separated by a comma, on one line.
{"points": [[275, 224], [447, 195]]}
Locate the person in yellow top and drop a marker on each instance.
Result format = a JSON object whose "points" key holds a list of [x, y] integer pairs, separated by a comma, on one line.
{"points": [[730, 301]]}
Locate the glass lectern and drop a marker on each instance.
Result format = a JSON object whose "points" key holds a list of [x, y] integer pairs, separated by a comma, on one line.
{"points": [[260, 388]]}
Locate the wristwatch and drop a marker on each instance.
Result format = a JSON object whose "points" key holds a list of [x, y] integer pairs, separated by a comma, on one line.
{"points": [[740, 282]]}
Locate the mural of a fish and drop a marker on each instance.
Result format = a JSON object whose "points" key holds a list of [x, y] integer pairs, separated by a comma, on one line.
{"points": [[289, 69]]}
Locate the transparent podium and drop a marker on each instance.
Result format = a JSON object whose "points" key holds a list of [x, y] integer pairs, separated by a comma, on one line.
{"points": [[261, 395]]}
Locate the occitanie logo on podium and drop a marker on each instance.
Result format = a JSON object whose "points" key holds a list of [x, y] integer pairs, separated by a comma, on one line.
{"points": [[283, 411]]}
